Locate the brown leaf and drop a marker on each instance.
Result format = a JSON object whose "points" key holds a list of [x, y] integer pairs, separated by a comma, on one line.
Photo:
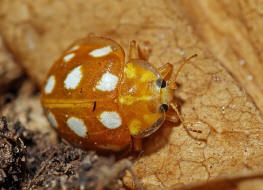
{"points": [[212, 102], [241, 182], [233, 31]]}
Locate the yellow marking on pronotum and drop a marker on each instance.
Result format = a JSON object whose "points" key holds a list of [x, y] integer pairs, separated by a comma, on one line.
{"points": [[135, 126], [129, 100], [148, 76], [130, 71]]}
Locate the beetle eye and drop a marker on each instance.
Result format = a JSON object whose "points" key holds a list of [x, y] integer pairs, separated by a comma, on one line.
{"points": [[164, 107], [161, 83]]}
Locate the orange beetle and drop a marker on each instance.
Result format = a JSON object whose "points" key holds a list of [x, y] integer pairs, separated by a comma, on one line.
{"points": [[96, 100]]}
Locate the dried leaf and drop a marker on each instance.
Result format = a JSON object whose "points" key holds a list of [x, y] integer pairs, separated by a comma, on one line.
{"points": [[230, 138], [240, 182], [233, 31]]}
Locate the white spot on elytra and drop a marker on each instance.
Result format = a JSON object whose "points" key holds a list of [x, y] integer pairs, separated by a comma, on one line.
{"points": [[73, 78], [101, 52], [75, 48], [68, 57], [111, 120], [107, 82], [50, 84], [77, 126], [52, 120]]}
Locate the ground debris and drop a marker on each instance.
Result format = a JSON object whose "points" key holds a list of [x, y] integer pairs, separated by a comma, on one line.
{"points": [[29, 162], [12, 157], [62, 166], [95, 172]]}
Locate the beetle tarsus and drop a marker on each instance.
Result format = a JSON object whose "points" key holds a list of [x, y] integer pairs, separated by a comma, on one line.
{"points": [[133, 54]]}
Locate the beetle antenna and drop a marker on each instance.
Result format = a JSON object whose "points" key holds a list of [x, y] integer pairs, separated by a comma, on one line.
{"points": [[185, 62], [188, 130]]}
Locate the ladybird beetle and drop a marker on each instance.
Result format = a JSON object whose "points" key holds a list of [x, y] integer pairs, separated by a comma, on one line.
{"points": [[97, 101]]}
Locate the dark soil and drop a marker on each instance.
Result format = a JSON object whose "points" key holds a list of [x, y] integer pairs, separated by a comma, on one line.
{"points": [[28, 162]]}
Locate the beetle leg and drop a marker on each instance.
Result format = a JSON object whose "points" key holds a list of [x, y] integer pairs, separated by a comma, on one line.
{"points": [[134, 52], [126, 152], [144, 50], [166, 71], [139, 52], [137, 144], [172, 113]]}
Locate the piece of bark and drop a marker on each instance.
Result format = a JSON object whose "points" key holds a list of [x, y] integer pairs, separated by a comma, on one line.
{"points": [[212, 102]]}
